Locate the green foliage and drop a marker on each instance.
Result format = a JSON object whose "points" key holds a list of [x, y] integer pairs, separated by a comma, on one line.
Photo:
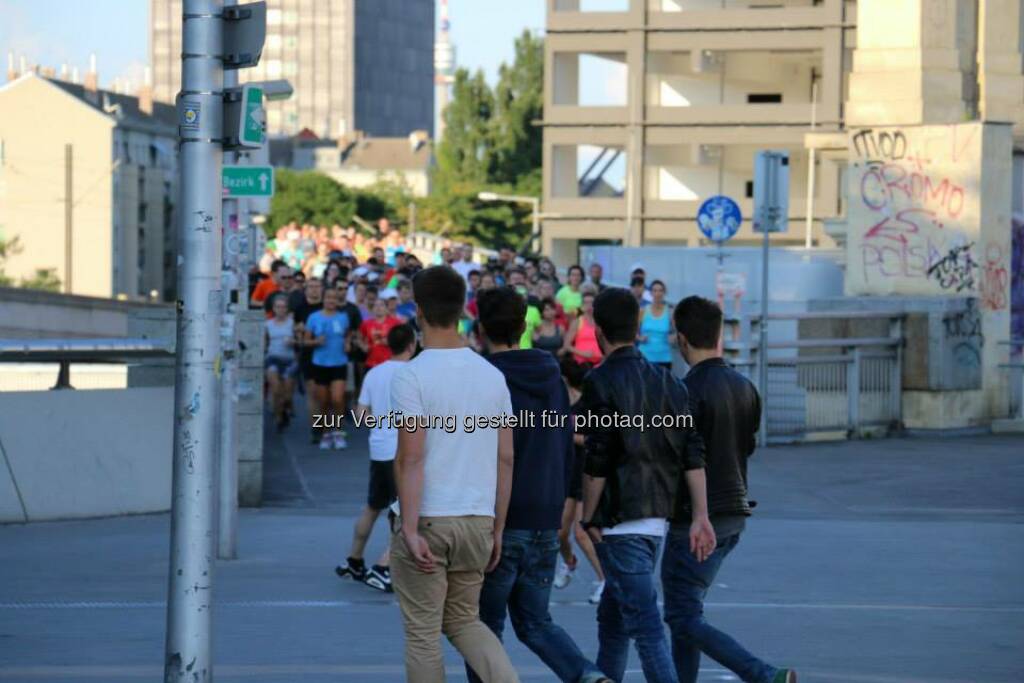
{"points": [[490, 143], [309, 197], [44, 278]]}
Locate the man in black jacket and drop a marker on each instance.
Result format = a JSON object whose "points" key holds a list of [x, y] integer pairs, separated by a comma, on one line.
{"points": [[640, 445], [728, 412], [521, 583]]}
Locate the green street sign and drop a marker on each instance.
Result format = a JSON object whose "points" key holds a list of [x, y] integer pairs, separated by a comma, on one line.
{"points": [[247, 181], [251, 124]]}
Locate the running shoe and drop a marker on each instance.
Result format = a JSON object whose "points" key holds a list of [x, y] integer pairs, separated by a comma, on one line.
{"points": [[352, 569], [326, 442], [379, 578], [785, 676], [563, 574], [595, 596], [338, 439]]}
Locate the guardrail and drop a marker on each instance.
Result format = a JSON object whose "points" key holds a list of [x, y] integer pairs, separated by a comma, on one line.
{"points": [[64, 352], [1016, 376]]}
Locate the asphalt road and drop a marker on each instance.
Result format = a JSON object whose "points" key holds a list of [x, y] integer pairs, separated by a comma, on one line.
{"points": [[895, 561]]}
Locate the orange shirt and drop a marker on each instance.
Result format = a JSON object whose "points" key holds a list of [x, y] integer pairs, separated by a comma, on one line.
{"points": [[264, 288]]}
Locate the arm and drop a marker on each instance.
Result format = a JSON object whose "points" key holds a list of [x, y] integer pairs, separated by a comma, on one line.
{"points": [[593, 489], [702, 534], [409, 475], [506, 458], [599, 453]]}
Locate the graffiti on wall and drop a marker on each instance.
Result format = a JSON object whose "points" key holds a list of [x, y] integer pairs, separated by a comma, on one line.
{"points": [[914, 215]]}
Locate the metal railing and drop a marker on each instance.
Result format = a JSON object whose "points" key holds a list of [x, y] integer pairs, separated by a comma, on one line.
{"points": [[1015, 377], [824, 384], [65, 352]]}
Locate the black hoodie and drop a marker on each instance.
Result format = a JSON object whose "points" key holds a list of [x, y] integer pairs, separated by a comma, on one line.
{"points": [[543, 453]]}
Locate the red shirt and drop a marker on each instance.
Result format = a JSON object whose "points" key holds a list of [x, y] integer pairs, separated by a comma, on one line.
{"points": [[375, 332]]}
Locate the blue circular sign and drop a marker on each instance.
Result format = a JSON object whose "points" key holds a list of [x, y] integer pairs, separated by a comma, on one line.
{"points": [[719, 218]]}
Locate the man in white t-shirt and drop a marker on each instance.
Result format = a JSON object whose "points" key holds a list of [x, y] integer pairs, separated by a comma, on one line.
{"points": [[465, 264], [375, 400], [454, 484]]}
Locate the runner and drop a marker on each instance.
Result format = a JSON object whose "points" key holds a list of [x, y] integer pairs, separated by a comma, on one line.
{"points": [[278, 271], [280, 363], [327, 331], [453, 488], [548, 335], [375, 399], [581, 339], [569, 295], [373, 335], [655, 337], [521, 583], [314, 292], [728, 416], [630, 485]]}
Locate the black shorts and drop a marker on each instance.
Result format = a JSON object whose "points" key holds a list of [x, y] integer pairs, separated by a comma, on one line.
{"points": [[382, 490], [325, 374], [306, 365]]}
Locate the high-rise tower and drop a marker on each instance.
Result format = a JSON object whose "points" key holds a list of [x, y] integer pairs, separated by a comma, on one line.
{"points": [[444, 68]]}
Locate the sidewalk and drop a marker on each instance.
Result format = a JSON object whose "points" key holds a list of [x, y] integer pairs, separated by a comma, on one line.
{"points": [[891, 561]]}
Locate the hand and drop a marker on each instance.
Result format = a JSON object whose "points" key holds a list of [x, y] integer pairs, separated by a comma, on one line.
{"points": [[702, 538], [421, 554], [495, 554]]}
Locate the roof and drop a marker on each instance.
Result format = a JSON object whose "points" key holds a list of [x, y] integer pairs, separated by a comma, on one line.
{"points": [[384, 154], [163, 120]]}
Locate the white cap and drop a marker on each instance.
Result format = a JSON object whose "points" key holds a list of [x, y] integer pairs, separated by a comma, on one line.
{"points": [[388, 293], [360, 271]]}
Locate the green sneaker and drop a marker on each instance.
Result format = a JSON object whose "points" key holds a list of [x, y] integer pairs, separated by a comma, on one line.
{"points": [[785, 676]]}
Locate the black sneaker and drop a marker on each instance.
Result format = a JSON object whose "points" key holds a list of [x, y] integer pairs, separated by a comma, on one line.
{"points": [[379, 578], [352, 569]]}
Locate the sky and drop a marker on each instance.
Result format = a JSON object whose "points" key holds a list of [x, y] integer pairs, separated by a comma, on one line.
{"points": [[117, 31]]}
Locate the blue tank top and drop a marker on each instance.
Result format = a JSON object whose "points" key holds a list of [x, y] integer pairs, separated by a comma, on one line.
{"points": [[656, 349]]}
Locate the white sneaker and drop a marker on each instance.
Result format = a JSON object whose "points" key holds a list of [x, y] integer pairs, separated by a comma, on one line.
{"points": [[326, 441], [563, 574], [595, 597], [339, 441]]}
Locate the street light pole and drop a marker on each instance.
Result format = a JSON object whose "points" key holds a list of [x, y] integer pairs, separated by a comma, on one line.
{"points": [[188, 655]]}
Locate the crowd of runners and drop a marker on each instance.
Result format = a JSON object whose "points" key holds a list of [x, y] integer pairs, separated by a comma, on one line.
{"points": [[485, 521]]}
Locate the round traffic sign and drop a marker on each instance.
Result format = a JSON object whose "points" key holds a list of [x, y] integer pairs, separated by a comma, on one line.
{"points": [[719, 218]]}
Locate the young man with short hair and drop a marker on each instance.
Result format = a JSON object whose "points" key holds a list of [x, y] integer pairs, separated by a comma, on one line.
{"points": [[313, 302], [375, 400], [544, 458], [454, 482], [728, 413], [632, 473]]}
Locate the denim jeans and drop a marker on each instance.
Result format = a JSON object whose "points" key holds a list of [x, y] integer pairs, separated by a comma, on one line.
{"points": [[629, 609], [521, 583], [686, 581]]}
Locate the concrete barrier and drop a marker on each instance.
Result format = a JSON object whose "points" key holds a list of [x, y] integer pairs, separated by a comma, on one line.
{"points": [[70, 454]]}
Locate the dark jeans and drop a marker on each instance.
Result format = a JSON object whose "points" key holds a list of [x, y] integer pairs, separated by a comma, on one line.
{"points": [[686, 581], [522, 583], [629, 609]]}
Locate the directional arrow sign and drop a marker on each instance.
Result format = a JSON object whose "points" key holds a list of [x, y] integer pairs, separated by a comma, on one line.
{"points": [[248, 181]]}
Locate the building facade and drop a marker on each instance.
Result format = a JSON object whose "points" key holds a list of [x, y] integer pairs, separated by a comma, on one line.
{"points": [[98, 165], [354, 64], [651, 106]]}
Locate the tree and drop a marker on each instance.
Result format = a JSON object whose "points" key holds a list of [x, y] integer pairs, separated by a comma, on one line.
{"points": [[7, 249], [309, 197], [45, 279]]}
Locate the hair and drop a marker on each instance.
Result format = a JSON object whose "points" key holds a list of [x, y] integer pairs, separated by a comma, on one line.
{"points": [[588, 289], [440, 293], [502, 314], [548, 301], [617, 313], [404, 284], [576, 267], [400, 338], [572, 371], [634, 281], [699, 320], [659, 282], [277, 264], [474, 272]]}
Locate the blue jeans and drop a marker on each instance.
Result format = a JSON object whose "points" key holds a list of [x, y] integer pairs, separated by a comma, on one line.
{"points": [[521, 583], [629, 609], [686, 581]]}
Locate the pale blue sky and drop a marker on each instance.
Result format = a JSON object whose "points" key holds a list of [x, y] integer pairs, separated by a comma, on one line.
{"points": [[57, 31]]}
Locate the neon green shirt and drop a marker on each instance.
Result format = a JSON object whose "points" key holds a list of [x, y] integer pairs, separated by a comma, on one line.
{"points": [[570, 300], [533, 321]]}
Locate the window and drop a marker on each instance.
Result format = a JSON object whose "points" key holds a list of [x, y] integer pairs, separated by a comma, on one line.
{"points": [[764, 98], [749, 191]]}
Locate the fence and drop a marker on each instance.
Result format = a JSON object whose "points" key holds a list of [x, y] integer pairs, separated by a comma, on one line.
{"points": [[823, 384], [32, 364], [1015, 377]]}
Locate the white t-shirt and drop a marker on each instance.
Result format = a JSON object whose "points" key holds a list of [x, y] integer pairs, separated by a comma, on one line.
{"points": [[460, 467], [376, 395], [278, 334], [648, 526], [464, 267]]}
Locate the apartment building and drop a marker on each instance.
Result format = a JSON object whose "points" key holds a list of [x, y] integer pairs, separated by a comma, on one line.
{"points": [[99, 167], [355, 64]]}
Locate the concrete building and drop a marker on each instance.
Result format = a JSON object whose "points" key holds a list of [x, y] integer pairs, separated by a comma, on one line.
{"points": [[355, 64], [96, 165]]}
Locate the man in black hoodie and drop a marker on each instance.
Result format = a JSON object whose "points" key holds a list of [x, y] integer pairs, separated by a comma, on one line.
{"points": [[521, 583]]}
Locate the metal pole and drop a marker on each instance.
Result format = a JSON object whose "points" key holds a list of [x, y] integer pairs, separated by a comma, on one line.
{"points": [[68, 215], [188, 652], [227, 477], [809, 221], [762, 352]]}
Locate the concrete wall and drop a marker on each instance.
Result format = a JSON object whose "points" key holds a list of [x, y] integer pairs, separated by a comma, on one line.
{"points": [[70, 454], [31, 314]]}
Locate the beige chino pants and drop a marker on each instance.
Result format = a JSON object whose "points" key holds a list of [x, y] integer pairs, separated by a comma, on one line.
{"points": [[448, 600]]}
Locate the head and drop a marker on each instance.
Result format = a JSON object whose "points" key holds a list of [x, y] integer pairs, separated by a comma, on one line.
{"points": [[474, 279], [698, 324], [378, 254], [379, 309], [314, 290], [360, 291], [549, 309], [399, 260], [331, 299], [616, 316], [280, 307], [384, 226], [545, 288], [587, 303], [333, 271], [517, 277], [637, 287], [371, 297], [467, 252], [596, 273], [392, 303], [446, 255], [575, 276], [658, 291], [300, 279], [502, 316], [639, 272], [487, 281], [440, 295], [405, 291], [287, 280], [278, 269], [401, 342], [547, 267], [530, 267]]}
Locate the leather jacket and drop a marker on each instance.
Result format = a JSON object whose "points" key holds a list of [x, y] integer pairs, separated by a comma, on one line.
{"points": [[642, 467], [727, 409]]}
